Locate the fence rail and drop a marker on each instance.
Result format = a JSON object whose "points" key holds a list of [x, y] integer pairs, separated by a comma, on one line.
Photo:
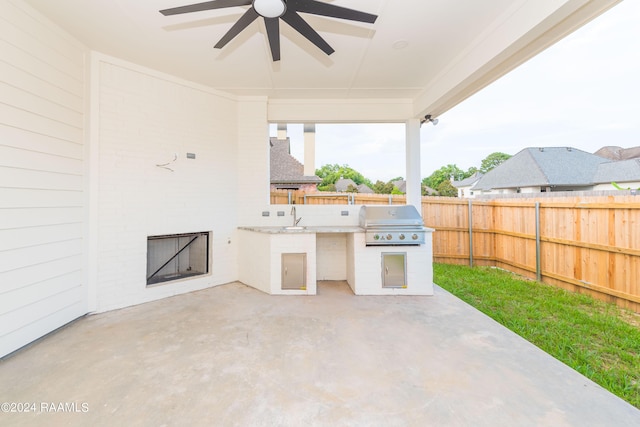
{"points": [[280, 197], [583, 243]]}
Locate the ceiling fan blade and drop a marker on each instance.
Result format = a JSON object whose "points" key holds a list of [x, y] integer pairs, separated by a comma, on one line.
{"points": [[208, 5], [242, 23], [301, 26], [273, 33], [326, 9]]}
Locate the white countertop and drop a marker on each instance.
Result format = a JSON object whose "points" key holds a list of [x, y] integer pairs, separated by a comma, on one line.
{"points": [[310, 229]]}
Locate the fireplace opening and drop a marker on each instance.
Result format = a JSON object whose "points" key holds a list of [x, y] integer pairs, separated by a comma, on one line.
{"points": [[177, 256]]}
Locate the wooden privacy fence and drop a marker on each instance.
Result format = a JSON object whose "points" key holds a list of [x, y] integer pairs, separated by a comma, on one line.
{"points": [[584, 244], [283, 197]]}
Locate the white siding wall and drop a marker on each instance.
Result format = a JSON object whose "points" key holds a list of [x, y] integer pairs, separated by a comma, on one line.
{"points": [[602, 187], [144, 119], [42, 202]]}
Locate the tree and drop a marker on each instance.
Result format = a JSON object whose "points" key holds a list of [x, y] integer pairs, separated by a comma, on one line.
{"points": [[428, 191], [329, 187], [382, 187], [493, 160], [352, 188], [444, 174], [330, 174], [446, 189]]}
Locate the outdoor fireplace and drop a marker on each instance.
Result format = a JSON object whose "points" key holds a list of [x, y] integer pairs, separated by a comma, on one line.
{"points": [[177, 256]]}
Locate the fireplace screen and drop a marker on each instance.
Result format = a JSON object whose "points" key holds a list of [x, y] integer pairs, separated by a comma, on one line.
{"points": [[177, 256]]}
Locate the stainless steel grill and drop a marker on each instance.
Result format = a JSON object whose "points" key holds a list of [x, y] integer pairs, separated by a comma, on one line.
{"points": [[392, 225]]}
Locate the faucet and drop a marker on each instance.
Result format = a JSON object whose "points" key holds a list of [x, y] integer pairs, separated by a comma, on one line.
{"points": [[295, 220]]}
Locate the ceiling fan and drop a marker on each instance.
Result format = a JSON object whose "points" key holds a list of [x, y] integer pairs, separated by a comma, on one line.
{"points": [[271, 11]]}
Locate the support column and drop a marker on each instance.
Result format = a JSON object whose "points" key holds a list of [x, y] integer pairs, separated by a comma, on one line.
{"points": [[414, 186], [309, 149], [282, 131]]}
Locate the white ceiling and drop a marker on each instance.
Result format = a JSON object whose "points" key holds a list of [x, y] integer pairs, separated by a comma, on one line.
{"points": [[473, 40]]}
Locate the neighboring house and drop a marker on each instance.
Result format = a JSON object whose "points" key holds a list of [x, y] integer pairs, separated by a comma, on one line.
{"points": [[625, 173], [364, 189], [428, 191], [546, 169], [465, 187], [286, 171], [401, 185], [618, 153], [342, 186]]}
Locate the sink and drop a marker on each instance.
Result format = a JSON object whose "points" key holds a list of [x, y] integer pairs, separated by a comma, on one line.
{"points": [[294, 228]]}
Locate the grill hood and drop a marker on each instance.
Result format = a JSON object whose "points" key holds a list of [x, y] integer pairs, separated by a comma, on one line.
{"points": [[390, 216]]}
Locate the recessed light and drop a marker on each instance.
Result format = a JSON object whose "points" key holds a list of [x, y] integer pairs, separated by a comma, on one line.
{"points": [[400, 44]]}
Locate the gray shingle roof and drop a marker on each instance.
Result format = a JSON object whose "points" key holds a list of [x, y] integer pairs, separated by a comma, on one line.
{"points": [[343, 184], [622, 171], [614, 152], [284, 167], [401, 185], [468, 181], [549, 166], [364, 189]]}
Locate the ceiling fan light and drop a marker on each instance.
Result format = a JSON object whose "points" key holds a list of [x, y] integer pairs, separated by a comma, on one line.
{"points": [[270, 8]]}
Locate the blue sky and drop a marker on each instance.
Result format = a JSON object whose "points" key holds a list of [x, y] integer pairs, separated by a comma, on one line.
{"points": [[583, 92]]}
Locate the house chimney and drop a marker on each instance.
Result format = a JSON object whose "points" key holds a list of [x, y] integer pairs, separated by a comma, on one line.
{"points": [[309, 149], [282, 131]]}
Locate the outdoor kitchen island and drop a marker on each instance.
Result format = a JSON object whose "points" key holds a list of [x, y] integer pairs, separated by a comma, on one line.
{"points": [[290, 260]]}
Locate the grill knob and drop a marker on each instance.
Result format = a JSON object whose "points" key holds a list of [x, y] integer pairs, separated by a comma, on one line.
{"points": [[401, 237], [389, 237], [414, 237]]}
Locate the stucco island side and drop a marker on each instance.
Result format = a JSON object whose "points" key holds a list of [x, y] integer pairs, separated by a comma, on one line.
{"points": [[261, 249]]}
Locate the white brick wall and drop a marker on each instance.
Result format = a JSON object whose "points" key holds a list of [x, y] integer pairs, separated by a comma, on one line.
{"points": [[312, 215], [260, 260], [364, 267], [146, 118], [255, 264], [42, 202], [331, 262], [292, 243], [253, 158]]}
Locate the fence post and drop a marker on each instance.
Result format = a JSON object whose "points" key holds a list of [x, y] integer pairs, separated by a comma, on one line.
{"points": [[470, 234], [538, 269]]}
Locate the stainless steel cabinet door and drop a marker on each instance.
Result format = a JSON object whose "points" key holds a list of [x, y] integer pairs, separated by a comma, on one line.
{"points": [[394, 269], [294, 271]]}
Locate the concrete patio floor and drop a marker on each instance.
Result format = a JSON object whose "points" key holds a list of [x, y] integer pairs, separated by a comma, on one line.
{"points": [[232, 355]]}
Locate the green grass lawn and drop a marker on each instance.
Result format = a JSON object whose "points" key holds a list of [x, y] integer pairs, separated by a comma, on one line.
{"points": [[597, 339]]}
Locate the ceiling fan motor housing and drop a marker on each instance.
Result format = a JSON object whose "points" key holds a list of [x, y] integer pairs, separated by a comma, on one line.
{"points": [[270, 8]]}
